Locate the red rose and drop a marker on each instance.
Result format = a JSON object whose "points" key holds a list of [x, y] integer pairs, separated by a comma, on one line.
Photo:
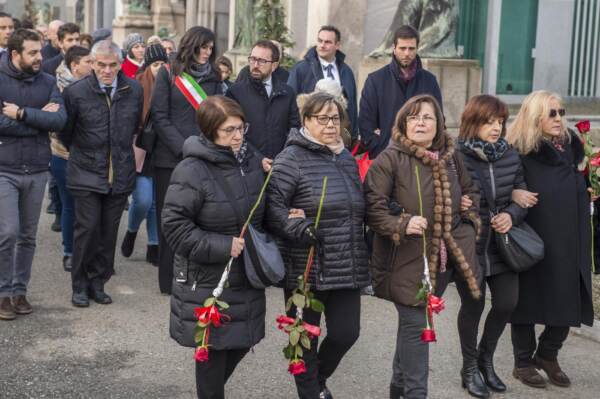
{"points": [[201, 354], [428, 335], [210, 315], [313, 331], [297, 367], [595, 161], [583, 126], [435, 304], [283, 321]]}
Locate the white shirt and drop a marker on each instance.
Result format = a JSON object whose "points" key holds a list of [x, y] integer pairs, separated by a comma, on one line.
{"points": [[334, 70], [268, 85]]}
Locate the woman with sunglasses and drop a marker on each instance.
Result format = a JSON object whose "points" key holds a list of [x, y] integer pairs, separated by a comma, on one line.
{"points": [[340, 266], [201, 222], [556, 292]]}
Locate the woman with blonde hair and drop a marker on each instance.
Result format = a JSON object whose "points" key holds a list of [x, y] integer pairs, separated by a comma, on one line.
{"points": [[556, 292]]}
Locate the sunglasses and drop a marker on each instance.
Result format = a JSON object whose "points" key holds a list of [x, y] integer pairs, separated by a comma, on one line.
{"points": [[560, 111]]}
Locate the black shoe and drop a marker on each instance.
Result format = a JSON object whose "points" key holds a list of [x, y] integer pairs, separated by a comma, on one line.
{"points": [[486, 367], [396, 392], [56, 225], [51, 209], [80, 300], [472, 381], [152, 254], [67, 264], [128, 243], [325, 393], [100, 297]]}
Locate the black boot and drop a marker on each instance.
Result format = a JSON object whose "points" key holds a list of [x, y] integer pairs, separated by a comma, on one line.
{"points": [[152, 254], [128, 243], [396, 392], [472, 381], [56, 225], [486, 367]]}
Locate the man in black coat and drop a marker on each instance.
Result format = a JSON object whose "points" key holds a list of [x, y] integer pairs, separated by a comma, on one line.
{"points": [[31, 107], [68, 36], [52, 49], [269, 106], [7, 27], [387, 89], [325, 60], [104, 112]]}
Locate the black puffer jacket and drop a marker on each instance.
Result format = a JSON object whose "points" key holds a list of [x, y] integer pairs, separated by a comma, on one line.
{"points": [[270, 118], [296, 182], [502, 176], [99, 135], [173, 118], [24, 145], [199, 223]]}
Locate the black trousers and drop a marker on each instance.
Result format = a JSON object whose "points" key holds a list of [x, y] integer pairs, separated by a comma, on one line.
{"points": [[95, 229], [342, 318], [547, 347], [212, 375], [505, 294], [162, 177]]}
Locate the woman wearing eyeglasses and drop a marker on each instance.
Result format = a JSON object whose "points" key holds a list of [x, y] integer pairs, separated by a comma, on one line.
{"points": [[439, 202], [173, 112], [340, 266], [201, 222], [556, 292]]}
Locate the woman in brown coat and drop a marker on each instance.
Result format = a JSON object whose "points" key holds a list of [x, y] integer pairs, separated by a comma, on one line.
{"points": [[450, 222]]}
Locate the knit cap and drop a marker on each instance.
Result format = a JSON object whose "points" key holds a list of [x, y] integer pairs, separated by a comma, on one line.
{"points": [[131, 40], [155, 52], [101, 34]]}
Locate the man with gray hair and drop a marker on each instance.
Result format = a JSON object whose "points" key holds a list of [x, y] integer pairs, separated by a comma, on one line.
{"points": [[104, 112]]}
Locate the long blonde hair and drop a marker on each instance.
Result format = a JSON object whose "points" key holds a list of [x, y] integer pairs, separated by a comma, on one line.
{"points": [[525, 133]]}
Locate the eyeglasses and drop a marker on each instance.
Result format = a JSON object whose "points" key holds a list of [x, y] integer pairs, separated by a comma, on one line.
{"points": [[418, 118], [231, 130], [324, 119], [560, 111], [259, 61]]}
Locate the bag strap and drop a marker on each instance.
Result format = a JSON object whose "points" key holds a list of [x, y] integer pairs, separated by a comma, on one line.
{"points": [[486, 189], [222, 182]]}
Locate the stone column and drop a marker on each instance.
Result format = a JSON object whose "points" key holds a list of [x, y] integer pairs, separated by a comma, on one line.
{"points": [[133, 19]]}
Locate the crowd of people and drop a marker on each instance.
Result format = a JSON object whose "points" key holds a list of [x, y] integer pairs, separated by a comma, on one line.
{"points": [[165, 126]]}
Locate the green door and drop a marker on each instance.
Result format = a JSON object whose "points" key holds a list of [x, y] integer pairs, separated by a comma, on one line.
{"points": [[472, 29], [518, 24]]}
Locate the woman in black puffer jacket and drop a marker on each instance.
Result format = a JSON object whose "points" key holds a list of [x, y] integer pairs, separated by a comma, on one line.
{"points": [[487, 154], [200, 224], [340, 267]]}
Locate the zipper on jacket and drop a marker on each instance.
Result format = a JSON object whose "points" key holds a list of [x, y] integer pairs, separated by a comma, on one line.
{"points": [[110, 165], [488, 267]]}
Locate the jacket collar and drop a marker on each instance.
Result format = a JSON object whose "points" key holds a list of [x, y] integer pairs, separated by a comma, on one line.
{"points": [[313, 58], [8, 68], [122, 84], [549, 155], [395, 68]]}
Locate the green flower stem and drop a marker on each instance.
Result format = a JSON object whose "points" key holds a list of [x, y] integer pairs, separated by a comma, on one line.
{"points": [[311, 252], [256, 204], [419, 193]]}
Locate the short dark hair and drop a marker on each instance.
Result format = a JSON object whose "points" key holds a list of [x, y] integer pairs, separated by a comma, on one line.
{"points": [[5, 15], [27, 24], [331, 28], [75, 54], [478, 111], [271, 46], [412, 107], [68, 28], [406, 32], [318, 100], [16, 40], [222, 60], [214, 111], [86, 37]]}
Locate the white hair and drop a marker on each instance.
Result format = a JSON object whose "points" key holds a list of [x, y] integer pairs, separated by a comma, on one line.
{"points": [[106, 47], [332, 87]]}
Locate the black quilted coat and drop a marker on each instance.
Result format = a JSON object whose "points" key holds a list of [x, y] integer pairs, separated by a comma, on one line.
{"points": [[199, 223], [296, 182], [505, 175]]}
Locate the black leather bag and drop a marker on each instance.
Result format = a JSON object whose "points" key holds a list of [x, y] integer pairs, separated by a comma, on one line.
{"points": [[263, 263], [146, 139], [521, 247]]}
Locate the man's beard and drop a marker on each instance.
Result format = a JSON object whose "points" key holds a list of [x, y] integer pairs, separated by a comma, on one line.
{"points": [[30, 68], [259, 76]]}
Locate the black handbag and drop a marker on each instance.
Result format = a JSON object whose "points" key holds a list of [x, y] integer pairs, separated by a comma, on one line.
{"points": [[263, 263], [146, 139], [521, 247]]}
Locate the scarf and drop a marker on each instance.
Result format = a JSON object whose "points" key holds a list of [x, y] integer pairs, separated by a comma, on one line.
{"points": [[336, 148], [200, 71], [488, 152], [240, 156]]}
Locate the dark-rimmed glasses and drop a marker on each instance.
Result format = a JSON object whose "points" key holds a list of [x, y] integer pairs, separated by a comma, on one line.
{"points": [[259, 61], [554, 112], [324, 119], [242, 129]]}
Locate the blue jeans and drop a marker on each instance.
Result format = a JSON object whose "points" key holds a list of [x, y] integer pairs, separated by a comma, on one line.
{"points": [[59, 171], [143, 206]]}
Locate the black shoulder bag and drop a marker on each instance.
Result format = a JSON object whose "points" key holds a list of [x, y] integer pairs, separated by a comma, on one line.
{"points": [[521, 247], [262, 261]]}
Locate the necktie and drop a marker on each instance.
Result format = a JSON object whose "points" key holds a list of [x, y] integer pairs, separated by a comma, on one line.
{"points": [[108, 90], [267, 88], [329, 69]]}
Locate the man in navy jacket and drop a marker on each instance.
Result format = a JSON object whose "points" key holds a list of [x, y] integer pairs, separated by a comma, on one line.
{"points": [[325, 60], [387, 89], [31, 106]]}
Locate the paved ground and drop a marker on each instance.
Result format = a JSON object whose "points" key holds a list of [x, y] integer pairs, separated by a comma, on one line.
{"points": [[124, 351]]}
